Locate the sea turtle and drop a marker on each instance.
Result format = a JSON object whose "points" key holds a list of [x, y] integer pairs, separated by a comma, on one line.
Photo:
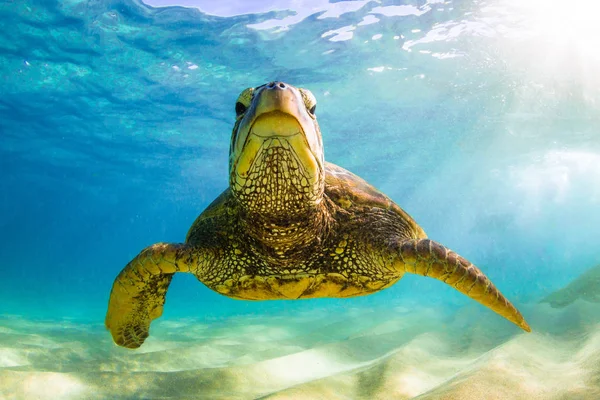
{"points": [[290, 226]]}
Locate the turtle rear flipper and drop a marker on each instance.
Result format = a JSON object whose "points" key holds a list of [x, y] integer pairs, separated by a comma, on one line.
{"points": [[138, 293], [428, 258]]}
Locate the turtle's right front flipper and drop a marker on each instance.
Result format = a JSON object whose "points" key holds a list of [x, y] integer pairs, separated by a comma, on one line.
{"points": [[428, 258], [138, 293]]}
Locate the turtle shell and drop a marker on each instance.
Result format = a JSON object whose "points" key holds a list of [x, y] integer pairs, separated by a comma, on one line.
{"points": [[351, 192]]}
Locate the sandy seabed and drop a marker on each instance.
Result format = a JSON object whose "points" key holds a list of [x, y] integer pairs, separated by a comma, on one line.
{"points": [[395, 353]]}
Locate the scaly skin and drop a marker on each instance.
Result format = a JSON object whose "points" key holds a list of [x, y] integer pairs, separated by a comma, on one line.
{"points": [[290, 226]]}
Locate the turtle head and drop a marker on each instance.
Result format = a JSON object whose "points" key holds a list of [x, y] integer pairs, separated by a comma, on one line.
{"points": [[276, 164]]}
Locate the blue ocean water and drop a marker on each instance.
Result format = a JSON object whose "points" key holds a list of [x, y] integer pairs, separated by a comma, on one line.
{"points": [[480, 118]]}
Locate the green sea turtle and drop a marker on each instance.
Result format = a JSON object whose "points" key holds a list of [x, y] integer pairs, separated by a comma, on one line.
{"points": [[290, 226]]}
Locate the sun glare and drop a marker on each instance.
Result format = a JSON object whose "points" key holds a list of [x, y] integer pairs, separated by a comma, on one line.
{"points": [[573, 23], [565, 37]]}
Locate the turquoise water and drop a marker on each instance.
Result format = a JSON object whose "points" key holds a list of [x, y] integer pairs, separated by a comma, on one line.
{"points": [[479, 118]]}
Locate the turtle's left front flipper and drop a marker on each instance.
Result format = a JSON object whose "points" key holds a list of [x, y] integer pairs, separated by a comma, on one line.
{"points": [[138, 293], [428, 258]]}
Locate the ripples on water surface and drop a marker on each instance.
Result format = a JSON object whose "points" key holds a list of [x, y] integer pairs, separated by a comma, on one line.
{"points": [[480, 118]]}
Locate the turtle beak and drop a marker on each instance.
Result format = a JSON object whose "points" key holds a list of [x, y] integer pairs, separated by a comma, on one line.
{"points": [[277, 115], [279, 112]]}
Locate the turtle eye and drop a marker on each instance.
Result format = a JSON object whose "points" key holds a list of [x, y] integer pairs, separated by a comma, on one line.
{"points": [[243, 101], [309, 101], [240, 108]]}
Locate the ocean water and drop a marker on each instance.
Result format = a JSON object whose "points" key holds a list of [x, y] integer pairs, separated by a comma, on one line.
{"points": [[480, 118]]}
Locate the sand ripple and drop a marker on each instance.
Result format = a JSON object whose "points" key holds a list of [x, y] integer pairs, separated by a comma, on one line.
{"points": [[396, 353]]}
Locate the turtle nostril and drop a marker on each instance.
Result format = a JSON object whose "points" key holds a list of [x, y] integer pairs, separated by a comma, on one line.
{"points": [[276, 85]]}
